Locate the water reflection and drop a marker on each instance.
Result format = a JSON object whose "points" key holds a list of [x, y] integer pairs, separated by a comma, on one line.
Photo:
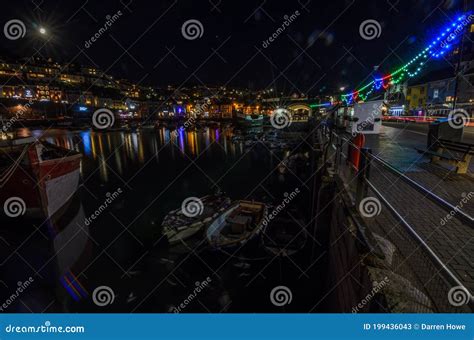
{"points": [[86, 142], [53, 258], [122, 249], [122, 151]]}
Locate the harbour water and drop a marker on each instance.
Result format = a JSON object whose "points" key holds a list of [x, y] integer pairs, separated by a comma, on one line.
{"points": [[142, 175]]}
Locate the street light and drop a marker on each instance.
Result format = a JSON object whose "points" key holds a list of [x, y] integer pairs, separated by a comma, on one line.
{"points": [[42, 30]]}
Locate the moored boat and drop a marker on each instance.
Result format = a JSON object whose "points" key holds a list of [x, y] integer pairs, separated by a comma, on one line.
{"points": [[250, 119], [242, 221], [178, 227], [284, 236], [40, 176]]}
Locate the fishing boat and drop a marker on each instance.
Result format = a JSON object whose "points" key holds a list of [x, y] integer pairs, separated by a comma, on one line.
{"points": [[250, 119], [40, 176], [237, 225], [178, 227], [284, 236]]}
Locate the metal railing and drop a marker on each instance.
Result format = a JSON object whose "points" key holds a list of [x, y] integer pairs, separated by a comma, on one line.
{"points": [[421, 264]]}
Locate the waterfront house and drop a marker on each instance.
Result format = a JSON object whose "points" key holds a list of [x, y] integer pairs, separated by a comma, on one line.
{"points": [[416, 98]]}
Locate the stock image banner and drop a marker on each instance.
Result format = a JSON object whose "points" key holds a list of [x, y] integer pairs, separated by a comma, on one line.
{"points": [[213, 169]]}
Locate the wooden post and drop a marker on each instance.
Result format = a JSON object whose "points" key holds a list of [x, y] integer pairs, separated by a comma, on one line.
{"points": [[363, 174]]}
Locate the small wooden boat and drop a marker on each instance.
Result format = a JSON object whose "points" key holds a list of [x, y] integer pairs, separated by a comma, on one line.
{"points": [[41, 176], [237, 225], [177, 227], [284, 236]]}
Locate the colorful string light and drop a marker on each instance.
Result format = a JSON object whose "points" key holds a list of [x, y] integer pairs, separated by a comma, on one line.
{"points": [[440, 45]]}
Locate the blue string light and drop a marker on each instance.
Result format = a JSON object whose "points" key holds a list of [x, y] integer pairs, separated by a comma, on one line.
{"points": [[442, 44]]}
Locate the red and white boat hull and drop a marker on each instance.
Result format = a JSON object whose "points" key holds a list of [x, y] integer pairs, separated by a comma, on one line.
{"points": [[45, 180]]}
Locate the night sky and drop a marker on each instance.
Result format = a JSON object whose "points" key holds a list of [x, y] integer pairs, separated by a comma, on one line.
{"points": [[320, 50]]}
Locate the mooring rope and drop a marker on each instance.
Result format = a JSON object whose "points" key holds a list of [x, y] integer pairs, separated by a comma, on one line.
{"points": [[6, 175]]}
